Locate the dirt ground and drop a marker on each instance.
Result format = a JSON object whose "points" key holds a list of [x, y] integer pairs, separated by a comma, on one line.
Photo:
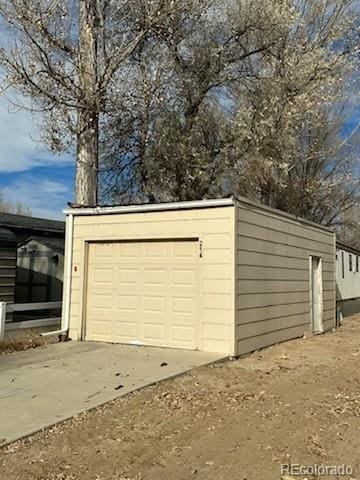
{"points": [[23, 342], [298, 402]]}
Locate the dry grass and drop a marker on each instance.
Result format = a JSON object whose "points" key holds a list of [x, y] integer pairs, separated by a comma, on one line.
{"points": [[23, 342]]}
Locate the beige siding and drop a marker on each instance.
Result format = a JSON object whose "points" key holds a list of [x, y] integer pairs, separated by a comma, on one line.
{"points": [[272, 276], [213, 227]]}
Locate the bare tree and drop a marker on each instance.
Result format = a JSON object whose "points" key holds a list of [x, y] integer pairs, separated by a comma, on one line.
{"points": [[244, 98], [188, 99], [88, 117], [16, 208], [347, 226], [286, 147], [64, 55], [165, 134]]}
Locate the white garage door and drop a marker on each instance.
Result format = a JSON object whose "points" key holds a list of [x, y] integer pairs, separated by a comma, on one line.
{"points": [[143, 292]]}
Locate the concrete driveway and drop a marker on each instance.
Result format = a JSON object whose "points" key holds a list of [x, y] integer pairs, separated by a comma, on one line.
{"points": [[41, 387]]}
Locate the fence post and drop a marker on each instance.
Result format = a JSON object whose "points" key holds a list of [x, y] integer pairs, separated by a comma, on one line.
{"points": [[2, 320]]}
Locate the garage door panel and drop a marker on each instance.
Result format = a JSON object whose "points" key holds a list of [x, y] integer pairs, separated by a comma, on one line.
{"points": [[154, 331], [183, 305], [184, 249], [101, 328], [128, 276], [102, 251], [155, 250], [127, 250], [126, 330], [182, 334], [102, 275], [154, 277], [101, 301], [149, 293], [183, 277], [127, 303], [154, 304]]}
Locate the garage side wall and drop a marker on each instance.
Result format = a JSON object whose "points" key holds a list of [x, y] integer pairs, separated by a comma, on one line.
{"points": [[273, 277], [215, 228]]}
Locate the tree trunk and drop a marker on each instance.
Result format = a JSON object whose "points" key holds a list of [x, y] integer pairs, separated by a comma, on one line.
{"points": [[88, 116], [87, 158]]}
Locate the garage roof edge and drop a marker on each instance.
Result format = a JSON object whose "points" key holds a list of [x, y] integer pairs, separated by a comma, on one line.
{"points": [[151, 207], [282, 213]]}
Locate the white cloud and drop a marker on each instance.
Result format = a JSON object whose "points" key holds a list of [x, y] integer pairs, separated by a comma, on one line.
{"points": [[20, 147], [21, 151], [45, 198]]}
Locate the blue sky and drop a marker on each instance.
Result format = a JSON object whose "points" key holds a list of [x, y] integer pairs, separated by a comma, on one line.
{"points": [[29, 173]]}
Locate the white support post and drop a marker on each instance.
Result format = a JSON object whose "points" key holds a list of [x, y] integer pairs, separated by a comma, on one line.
{"points": [[2, 320]]}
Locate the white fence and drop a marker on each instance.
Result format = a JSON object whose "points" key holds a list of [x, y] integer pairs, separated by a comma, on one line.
{"points": [[10, 325]]}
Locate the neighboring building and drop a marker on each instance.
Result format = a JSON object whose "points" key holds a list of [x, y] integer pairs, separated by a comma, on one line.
{"points": [[25, 227], [347, 280], [7, 266], [226, 275], [40, 265], [40, 269]]}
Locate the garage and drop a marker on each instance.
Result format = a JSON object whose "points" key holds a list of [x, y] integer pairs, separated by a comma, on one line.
{"points": [[226, 275], [143, 292]]}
